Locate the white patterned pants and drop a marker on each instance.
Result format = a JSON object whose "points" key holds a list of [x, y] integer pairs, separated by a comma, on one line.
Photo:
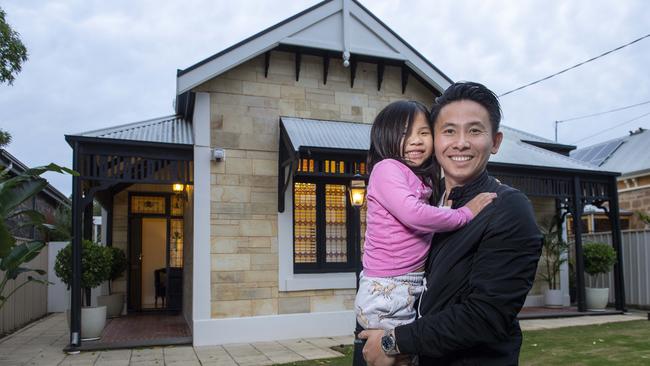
{"points": [[386, 302]]}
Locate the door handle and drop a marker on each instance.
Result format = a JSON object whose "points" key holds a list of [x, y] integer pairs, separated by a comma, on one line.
{"points": [[140, 257]]}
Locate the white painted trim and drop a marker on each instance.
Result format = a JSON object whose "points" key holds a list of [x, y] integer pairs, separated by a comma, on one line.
{"points": [[320, 281], [284, 34], [288, 281], [414, 61], [253, 48], [272, 328], [201, 246]]}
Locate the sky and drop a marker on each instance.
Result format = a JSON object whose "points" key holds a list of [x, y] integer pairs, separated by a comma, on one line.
{"points": [[95, 64]]}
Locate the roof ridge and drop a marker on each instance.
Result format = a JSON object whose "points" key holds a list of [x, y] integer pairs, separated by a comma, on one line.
{"points": [[563, 157], [530, 134]]}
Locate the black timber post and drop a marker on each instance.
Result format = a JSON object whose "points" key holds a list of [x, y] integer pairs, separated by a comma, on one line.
{"points": [[577, 232], [88, 220], [614, 217], [109, 221], [75, 290]]}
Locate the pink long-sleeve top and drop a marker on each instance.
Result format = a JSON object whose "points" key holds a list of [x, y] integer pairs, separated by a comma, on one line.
{"points": [[400, 223]]}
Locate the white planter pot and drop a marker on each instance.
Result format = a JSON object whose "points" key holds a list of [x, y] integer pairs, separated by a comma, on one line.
{"points": [[93, 321], [114, 304], [596, 298], [553, 299]]}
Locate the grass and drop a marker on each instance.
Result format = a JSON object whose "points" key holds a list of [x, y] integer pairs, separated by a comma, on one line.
{"points": [[625, 343]]}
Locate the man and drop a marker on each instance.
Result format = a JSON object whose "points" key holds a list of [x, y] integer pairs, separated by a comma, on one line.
{"points": [[478, 276]]}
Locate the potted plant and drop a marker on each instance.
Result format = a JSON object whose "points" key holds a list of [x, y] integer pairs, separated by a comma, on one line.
{"points": [[599, 259], [96, 268], [554, 255], [114, 301]]}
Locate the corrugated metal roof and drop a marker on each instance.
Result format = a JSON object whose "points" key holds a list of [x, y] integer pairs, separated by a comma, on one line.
{"points": [[170, 130], [631, 157], [305, 132]]}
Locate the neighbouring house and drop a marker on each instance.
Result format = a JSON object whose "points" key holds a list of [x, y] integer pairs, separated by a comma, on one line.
{"points": [[241, 196], [630, 156], [29, 302]]}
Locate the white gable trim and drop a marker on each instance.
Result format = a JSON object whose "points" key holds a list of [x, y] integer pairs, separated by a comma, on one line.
{"points": [[253, 48], [337, 25]]}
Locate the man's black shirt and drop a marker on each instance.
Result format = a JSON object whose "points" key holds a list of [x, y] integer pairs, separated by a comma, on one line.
{"points": [[477, 281]]}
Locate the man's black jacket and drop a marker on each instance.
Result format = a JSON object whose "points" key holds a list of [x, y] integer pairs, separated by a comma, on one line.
{"points": [[477, 281]]}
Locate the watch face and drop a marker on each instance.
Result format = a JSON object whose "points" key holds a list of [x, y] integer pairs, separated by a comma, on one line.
{"points": [[387, 343]]}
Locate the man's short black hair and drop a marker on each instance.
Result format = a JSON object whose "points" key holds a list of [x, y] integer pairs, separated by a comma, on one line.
{"points": [[467, 90]]}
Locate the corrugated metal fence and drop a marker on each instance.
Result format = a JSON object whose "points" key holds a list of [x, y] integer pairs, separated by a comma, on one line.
{"points": [[29, 302], [636, 267]]}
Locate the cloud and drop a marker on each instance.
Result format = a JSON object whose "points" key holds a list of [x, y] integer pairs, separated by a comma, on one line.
{"points": [[95, 64]]}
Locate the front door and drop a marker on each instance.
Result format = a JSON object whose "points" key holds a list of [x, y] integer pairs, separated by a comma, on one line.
{"points": [[154, 263]]}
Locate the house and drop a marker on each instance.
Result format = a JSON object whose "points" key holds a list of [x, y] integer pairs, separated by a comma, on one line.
{"points": [[629, 155], [46, 202], [31, 301], [245, 186]]}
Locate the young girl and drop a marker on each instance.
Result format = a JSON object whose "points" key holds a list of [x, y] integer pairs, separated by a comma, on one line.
{"points": [[400, 221]]}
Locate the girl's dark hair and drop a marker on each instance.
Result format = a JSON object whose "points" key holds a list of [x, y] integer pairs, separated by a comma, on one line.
{"points": [[386, 137]]}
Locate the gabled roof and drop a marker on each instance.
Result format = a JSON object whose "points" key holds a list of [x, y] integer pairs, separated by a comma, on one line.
{"points": [[332, 25], [629, 155], [169, 130], [337, 135], [17, 167]]}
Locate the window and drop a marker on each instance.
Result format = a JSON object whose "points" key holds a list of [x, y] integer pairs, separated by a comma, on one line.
{"points": [[322, 234]]}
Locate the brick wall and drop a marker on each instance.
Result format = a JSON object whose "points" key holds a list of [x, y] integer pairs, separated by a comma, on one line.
{"points": [[245, 107]]}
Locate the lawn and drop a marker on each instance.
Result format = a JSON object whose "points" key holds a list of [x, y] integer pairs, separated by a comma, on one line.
{"points": [[625, 343]]}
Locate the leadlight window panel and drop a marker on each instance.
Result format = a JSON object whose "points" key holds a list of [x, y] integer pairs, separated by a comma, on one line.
{"points": [[359, 168], [306, 165], [177, 205], [176, 243], [336, 238], [304, 223], [334, 167], [148, 205]]}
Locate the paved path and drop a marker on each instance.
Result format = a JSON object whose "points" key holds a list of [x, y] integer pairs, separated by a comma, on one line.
{"points": [[40, 343]]}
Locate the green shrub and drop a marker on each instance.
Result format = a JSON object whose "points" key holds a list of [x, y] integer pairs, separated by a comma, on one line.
{"points": [[95, 266], [118, 265], [599, 258]]}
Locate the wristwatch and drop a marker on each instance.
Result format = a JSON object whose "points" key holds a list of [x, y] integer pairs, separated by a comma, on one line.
{"points": [[388, 343]]}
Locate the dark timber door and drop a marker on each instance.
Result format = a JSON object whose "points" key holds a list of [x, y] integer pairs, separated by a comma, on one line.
{"points": [[135, 264]]}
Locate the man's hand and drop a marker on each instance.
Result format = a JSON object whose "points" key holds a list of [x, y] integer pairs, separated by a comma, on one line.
{"points": [[372, 352]]}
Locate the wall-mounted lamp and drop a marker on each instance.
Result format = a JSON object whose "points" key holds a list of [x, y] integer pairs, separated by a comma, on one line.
{"points": [[178, 187], [357, 192], [218, 154]]}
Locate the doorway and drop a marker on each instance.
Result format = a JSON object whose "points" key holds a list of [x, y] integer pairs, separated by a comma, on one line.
{"points": [[155, 257]]}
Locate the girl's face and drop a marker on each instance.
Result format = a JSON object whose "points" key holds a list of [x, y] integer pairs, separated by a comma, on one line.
{"points": [[417, 146]]}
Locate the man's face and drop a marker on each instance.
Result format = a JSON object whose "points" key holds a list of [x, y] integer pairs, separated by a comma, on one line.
{"points": [[463, 141]]}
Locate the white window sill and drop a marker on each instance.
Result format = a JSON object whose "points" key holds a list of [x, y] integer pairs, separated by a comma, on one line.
{"points": [[320, 281]]}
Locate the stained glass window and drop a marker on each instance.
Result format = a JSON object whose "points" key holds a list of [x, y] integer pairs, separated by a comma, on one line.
{"points": [[176, 243], [336, 243], [177, 205], [148, 205], [305, 223]]}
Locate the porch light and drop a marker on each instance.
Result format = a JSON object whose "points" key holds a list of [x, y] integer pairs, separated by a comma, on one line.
{"points": [[357, 191], [178, 187]]}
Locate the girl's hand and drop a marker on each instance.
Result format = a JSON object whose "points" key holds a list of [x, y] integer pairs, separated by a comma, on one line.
{"points": [[478, 203]]}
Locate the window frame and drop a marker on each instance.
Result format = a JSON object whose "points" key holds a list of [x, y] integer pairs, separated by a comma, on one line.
{"points": [[321, 266]]}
